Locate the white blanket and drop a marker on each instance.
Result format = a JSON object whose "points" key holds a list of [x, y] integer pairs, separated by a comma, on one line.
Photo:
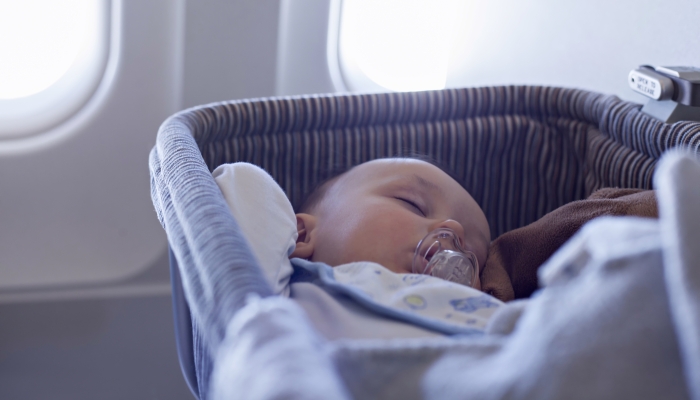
{"points": [[618, 317]]}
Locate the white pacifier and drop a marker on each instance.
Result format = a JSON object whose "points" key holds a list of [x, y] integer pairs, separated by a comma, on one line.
{"points": [[441, 255]]}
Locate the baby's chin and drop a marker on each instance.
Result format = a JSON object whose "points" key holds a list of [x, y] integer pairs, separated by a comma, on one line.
{"points": [[404, 268]]}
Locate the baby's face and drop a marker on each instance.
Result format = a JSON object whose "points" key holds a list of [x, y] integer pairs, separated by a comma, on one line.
{"points": [[380, 210]]}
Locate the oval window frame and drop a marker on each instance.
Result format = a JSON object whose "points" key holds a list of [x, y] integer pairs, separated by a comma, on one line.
{"points": [[347, 73], [26, 118]]}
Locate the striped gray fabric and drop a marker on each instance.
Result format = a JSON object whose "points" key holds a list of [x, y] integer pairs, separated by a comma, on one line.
{"points": [[217, 267], [522, 151]]}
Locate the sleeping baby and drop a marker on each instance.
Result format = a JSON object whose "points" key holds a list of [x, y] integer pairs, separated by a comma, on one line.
{"points": [[391, 248]]}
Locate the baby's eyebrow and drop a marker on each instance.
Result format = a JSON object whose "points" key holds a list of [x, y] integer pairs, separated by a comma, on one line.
{"points": [[427, 185]]}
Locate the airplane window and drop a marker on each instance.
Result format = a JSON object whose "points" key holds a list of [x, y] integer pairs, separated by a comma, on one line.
{"points": [[400, 45], [39, 41], [52, 55]]}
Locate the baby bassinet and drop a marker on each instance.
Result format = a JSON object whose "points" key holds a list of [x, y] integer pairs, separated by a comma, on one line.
{"points": [[521, 150]]}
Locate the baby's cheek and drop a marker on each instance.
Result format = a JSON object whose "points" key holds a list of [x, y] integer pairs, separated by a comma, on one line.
{"points": [[341, 240]]}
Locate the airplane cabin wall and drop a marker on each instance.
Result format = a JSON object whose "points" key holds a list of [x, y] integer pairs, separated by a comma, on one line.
{"points": [[589, 45], [112, 338], [584, 44]]}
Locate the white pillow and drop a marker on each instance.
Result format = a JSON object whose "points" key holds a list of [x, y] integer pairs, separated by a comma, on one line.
{"points": [[265, 216]]}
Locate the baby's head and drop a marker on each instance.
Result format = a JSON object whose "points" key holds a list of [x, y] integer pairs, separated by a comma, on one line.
{"points": [[379, 211]]}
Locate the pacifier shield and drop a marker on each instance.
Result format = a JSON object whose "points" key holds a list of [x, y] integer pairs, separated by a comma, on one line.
{"points": [[441, 255]]}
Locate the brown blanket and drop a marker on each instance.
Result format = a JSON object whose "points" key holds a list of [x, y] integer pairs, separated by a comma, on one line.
{"points": [[515, 256]]}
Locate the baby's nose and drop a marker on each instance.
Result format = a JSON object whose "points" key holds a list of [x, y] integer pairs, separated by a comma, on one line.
{"points": [[454, 226]]}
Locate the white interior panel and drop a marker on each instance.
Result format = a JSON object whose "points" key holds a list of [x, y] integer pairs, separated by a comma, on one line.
{"points": [[231, 50], [305, 30], [78, 205], [586, 44], [77, 210]]}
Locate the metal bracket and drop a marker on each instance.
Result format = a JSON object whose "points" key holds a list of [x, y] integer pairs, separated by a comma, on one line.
{"points": [[674, 92]]}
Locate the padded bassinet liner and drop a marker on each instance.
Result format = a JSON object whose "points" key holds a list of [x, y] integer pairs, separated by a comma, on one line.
{"points": [[522, 151]]}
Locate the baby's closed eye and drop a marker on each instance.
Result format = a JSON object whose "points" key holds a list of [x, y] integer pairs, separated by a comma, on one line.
{"points": [[412, 204]]}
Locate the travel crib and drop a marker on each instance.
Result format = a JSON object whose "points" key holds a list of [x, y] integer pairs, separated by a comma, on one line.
{"points": [[521, 150]]}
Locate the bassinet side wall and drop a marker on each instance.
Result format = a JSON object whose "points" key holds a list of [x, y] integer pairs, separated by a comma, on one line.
{"points": [[522, 151]]}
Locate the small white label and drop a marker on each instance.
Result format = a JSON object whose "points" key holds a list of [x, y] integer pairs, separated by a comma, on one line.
{"points": [[645, 84]]}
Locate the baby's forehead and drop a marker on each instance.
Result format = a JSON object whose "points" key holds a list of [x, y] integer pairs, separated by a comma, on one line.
{"points": [[400, 170], [391, 176], [413, 175]]}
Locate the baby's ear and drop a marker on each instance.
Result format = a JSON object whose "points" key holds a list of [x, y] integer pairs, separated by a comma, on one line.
{"points": [[306, 223]]}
